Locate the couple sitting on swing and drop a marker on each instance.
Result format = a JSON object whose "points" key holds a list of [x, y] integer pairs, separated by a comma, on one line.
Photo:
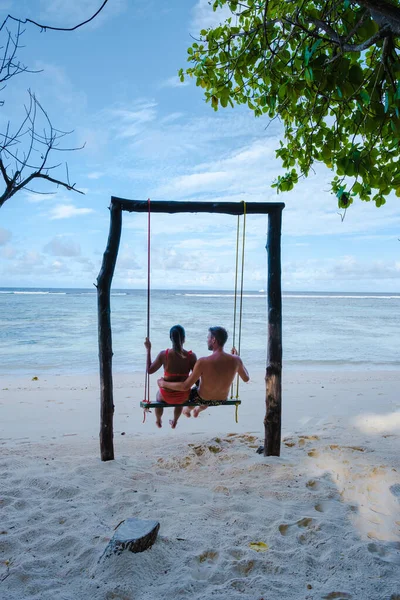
{"points": [[213, 375]]}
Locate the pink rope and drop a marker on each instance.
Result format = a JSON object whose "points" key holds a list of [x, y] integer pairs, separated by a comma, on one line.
{"points": [[147, 375]]}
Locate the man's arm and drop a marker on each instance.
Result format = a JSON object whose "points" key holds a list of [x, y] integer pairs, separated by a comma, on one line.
{"points": [[243, 373], [183, 386]]}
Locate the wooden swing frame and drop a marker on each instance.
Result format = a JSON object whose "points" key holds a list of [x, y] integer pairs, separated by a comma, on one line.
{"points": [[273, 376]]}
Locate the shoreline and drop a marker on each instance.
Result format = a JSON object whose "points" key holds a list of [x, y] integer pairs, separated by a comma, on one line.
{"points": [[295, 367], [59, 406]]}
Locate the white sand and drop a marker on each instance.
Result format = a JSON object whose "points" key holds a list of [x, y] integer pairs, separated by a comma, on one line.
{"points": [[328, 509]]}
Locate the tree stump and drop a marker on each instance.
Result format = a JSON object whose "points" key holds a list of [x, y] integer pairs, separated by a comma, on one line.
{"points": [[135, 535]]}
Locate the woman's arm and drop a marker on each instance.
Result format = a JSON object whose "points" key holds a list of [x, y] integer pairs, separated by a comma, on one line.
{"points": [[152, 367]]}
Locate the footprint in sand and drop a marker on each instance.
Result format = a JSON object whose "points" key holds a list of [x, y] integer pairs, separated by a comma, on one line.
{"points": [[305, 522], [244, 567], [321, 507], [312, 484], [208, 556], [313, 453], [144, 498], [289, 442], [388, 552], [215, 512], [221, 489], [237, 554], [395, 490]]}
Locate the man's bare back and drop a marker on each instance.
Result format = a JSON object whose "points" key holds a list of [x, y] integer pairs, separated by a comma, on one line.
{"points": [[216, 372]]}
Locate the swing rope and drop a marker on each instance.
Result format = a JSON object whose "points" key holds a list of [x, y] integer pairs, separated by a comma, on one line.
{"points": [[147, 375], [241, 291], [240, 296], [146, 403], [235, 292]]}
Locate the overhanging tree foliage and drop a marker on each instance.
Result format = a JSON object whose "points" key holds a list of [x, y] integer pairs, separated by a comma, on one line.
{"points": [[330, 71]]}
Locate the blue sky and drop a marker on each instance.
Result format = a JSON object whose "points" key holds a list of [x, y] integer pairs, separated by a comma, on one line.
{"points": [[114, 83]]}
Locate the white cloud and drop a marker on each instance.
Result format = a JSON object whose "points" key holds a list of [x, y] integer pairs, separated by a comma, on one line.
{"points": [[350, 268], [249, 170], [67, 95], [30, 259], [164, 144], [175, 82], [95, 175], [5, 236], [339, 274], [61, 246], [8, 253], [35, 198], [128, 122], [73, 12], [66, 211], [204, 16], [127, 260]]}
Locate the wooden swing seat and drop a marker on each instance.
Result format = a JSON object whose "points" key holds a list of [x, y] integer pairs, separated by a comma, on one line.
{"points": [[145, 404]]}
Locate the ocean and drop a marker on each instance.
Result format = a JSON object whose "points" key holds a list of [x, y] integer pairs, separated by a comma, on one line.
{"points": [[55, 330]]}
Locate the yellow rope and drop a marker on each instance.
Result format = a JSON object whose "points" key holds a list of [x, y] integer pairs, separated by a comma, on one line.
{"points": [[235, 293], [236, 413], [241, 291]]}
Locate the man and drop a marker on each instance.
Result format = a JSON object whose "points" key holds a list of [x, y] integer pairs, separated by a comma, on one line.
{"points": [[215, 373]]}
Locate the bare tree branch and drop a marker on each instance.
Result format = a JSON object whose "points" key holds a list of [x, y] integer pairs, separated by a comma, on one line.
{"points": [[25, 153], [45, 27], [31, 144]]}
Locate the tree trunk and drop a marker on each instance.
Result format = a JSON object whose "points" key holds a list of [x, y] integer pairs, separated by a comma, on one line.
{"points": [[104, 332], [273, 380]]}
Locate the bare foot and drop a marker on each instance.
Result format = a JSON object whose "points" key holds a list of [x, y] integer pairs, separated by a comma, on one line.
{"points": [[173, 423], [158, 423], [186, 412], [196, 411]]}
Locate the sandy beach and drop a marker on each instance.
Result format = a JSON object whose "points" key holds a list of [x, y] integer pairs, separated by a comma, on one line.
{"points": [[322, 521]]}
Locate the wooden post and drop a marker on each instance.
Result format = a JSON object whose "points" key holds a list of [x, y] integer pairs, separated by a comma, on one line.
{"points": [[273, 378], [104, 280]]}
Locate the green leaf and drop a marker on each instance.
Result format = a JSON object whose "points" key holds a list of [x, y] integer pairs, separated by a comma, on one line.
{"points": [[365, 97], [356, 75], [308, 74]]}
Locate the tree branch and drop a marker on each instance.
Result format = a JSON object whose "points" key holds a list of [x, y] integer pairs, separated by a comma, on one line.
{"points": [[45, 27], [381, 10]]}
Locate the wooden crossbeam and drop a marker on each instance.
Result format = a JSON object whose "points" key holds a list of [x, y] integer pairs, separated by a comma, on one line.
{"points": [[171, 206]]}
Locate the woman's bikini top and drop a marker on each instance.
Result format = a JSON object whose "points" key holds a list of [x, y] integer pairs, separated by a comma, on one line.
{"points": [[168, 374]]}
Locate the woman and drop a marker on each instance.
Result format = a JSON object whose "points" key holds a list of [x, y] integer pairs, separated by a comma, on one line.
{"points": [[177, 364]]}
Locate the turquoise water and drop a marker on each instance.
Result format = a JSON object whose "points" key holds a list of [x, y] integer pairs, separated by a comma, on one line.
{"points": [[55, 331]]}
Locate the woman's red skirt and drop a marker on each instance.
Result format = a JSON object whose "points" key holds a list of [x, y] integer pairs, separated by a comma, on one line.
{"points": [[170, 397]]}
